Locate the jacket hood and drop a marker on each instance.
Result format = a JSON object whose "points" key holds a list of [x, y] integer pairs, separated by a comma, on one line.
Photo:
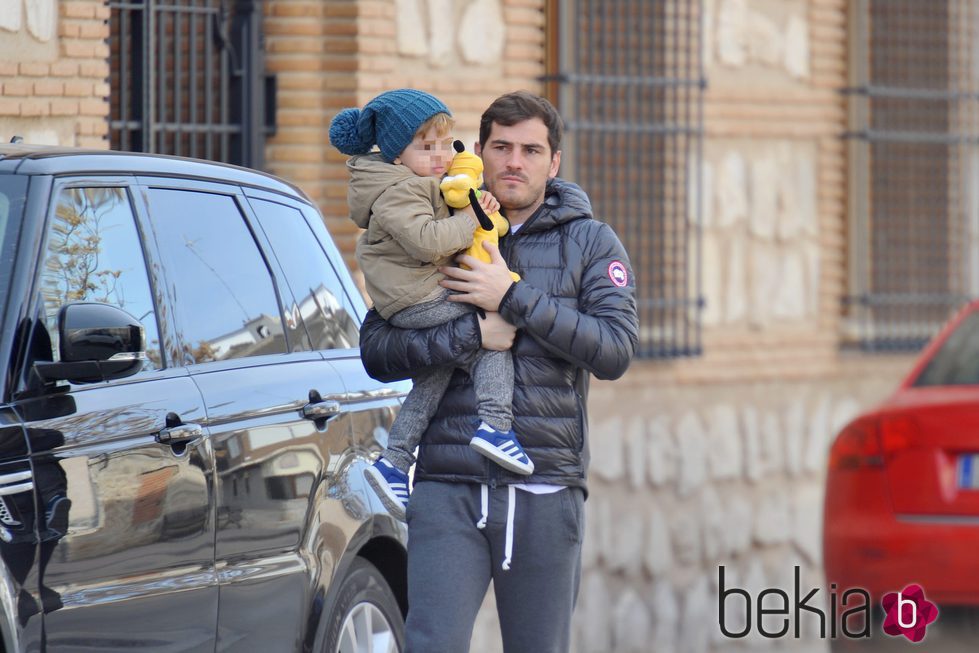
{"points": [[370, 175], [564, 201]]}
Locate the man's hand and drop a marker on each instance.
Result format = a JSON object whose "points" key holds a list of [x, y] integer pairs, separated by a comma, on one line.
{"points": [[484, 284], [496, 332]]}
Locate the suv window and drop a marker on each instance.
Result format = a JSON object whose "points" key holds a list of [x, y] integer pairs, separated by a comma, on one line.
{"points": [[310, 276], [224, 303], [13, 191], [93, 254]]}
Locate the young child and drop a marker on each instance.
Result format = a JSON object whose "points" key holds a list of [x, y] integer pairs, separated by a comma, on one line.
{"points": [[394, 195]]}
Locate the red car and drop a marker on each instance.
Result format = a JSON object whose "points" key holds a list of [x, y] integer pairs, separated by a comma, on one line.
{"points": [[902, 488]]}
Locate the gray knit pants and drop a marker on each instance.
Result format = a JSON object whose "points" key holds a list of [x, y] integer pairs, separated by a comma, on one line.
{"points": [[491, 372]]}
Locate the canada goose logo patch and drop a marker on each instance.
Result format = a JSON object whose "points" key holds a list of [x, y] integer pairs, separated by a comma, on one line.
{"points": [[618, 274]]}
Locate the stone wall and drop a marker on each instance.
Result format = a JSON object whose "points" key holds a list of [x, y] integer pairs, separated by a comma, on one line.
{"points": [[54, 71], [706, 475], [774, 189], [696, 476]]}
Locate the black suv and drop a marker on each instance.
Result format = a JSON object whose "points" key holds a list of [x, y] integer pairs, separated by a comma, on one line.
{"points": [[184, 417]]}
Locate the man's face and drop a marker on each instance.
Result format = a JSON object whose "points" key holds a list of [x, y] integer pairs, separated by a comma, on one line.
{"points": [[518, 164], [428, 154]]}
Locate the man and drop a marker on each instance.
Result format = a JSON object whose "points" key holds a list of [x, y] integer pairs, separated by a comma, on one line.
{"points": [[572, 314]]}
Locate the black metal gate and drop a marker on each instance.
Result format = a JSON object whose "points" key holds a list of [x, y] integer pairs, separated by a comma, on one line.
{"points": [[187, 78], [630, 85]]}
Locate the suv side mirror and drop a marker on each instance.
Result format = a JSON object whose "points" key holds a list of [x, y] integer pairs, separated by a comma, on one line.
{"points": [[98, 342]]}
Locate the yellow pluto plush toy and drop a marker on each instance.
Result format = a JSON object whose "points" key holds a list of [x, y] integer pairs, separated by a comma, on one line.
{"points": [[460, 187]]}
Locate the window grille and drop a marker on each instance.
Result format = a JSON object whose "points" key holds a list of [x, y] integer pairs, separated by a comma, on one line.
{"points": [[629, 82], [914, 165], [186, 78]]}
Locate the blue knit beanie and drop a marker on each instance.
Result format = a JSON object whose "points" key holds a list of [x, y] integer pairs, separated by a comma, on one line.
{"points": [[390, 120]]}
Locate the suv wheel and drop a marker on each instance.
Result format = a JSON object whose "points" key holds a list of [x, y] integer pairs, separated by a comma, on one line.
{"points": [[367, 618]]}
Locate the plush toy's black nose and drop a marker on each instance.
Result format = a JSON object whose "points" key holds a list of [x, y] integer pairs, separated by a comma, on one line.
{"points": [[459, 147]]}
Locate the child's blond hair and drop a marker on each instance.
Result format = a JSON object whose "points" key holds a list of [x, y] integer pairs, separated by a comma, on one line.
{"points": [[442, 122]]}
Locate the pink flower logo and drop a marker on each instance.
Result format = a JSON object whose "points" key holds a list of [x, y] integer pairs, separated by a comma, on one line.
{"points": [[908, 613]]}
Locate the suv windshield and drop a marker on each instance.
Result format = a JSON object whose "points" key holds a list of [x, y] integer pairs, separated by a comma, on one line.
{"points": [[13, 193]]}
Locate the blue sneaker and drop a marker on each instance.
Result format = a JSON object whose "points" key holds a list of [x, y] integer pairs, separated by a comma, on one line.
{"points": [[391, 485], [503, 449]]}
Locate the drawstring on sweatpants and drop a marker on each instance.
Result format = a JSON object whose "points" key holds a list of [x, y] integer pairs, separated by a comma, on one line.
{"points": [[511, 509], [508, 549], [484, 505]]}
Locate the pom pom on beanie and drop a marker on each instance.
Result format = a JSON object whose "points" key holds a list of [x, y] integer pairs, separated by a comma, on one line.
{"points": [[346, 136], [390, 120]]}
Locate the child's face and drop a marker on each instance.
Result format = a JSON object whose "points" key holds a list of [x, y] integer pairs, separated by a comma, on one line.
{"points": [[428, 155]]}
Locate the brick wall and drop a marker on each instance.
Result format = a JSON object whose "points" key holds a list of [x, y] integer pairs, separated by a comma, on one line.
{"points": [[53, 76], [332, 54], [310, 47]]}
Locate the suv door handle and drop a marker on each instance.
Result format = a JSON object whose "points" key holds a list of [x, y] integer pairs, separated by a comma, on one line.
{"points": [[179, 434], [323, 409], [16, 482]]}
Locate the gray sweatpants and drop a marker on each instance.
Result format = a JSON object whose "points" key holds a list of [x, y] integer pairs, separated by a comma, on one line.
{"points": [[451, 562], [491, 372]]}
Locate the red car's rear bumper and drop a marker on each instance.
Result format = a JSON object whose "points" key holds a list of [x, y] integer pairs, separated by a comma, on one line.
{"points": [[867, 546]]}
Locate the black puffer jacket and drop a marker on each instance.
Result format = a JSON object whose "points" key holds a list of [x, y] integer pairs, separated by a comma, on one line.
{"points": [[575, 312]]}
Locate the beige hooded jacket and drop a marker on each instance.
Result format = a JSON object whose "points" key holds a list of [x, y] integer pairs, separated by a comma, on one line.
{"points": [[409, 232]]}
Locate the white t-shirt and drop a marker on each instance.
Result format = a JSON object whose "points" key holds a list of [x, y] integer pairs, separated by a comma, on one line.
{"points": [[539, 488]]}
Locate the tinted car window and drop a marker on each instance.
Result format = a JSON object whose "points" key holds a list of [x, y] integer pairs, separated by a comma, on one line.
{"points": [[12, 195], [93, 254], [314, 283], [225, 305], [353, 299], [957, 361]]}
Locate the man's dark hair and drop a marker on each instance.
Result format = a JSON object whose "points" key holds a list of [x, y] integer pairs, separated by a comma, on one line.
{"points": [[509, 109]]}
